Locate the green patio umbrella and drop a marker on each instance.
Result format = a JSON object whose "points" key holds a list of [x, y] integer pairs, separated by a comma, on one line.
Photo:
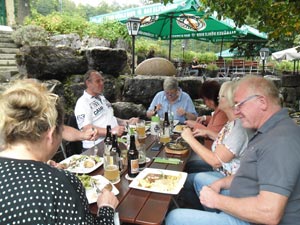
{"points": [[180, 20]]}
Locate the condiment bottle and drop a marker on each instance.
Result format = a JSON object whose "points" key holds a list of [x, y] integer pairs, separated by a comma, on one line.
{"points": [[166, 125], [133, 158], [107, 140], [115, 149]]}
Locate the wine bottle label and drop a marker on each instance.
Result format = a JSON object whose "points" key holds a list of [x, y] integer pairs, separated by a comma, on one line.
{"points": [[134, 163]]}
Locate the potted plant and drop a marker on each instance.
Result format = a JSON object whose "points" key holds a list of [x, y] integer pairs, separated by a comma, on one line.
{"points": [[212, 70]]}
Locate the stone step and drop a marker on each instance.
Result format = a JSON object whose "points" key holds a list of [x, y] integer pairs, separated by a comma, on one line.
{"points": [[6, 39], [8, 45], [7, 56], [7, 62], [7, 74], [5, 29], [9, 50], [5, 34], [8, 68]]}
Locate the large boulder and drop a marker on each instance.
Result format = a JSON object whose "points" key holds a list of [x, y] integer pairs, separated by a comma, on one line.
{"points": [[126, 110], [108, 60], [48, 62], [141, 89], [156, 66]]}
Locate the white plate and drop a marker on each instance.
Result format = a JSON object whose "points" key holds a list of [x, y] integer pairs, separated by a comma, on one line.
{"points": [[160, 187], [78, 161], [101, 181], [175, 122]]}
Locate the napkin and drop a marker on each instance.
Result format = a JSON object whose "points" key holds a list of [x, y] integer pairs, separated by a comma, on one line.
{"points": [[167, 160]]}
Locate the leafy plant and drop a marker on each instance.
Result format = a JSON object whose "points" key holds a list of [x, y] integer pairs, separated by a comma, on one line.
{"points": [[212, 67], [60, 23], [284, 66], [30, 35]]}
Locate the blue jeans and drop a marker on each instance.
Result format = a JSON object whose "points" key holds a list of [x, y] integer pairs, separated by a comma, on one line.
{"points": [[198, 217], [192, 187]]}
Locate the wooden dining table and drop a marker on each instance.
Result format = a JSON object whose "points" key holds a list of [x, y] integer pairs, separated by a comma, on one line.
{"points": [[139, 206]]}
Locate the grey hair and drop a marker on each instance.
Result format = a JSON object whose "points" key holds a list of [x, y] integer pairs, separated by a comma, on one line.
{"points": [[170, 83]]}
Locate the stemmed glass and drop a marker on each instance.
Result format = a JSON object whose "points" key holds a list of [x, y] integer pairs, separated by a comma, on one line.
{"points": [[95, 147]]}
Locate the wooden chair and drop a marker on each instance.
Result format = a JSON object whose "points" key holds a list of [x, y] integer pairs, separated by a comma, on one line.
{"points": [[254, 67], [237, 68], [223, 69]]}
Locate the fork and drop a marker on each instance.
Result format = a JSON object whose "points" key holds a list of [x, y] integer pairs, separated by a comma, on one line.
{"points": [[178, 139], [94, 185]]}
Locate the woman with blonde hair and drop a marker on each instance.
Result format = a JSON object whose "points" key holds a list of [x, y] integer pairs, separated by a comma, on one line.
{"points": [[32, 192]]}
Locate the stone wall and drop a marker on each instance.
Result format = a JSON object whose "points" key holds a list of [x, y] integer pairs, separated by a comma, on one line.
{"points": [[64, 61]]}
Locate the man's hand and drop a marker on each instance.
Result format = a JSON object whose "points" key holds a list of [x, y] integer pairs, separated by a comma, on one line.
{"points": [[208, 197]]}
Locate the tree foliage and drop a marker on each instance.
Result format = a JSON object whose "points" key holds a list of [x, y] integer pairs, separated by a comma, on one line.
{"points": [[279, 18]]}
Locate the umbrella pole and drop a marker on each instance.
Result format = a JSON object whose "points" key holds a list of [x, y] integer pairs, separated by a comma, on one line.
{"points": [[221, 47], [170, 38]]}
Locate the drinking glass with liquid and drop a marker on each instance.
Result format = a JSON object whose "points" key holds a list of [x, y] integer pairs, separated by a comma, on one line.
{"points": [[111, 167], [141, 129]]}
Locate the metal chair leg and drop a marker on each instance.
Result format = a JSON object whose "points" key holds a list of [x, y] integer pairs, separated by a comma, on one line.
{"points": [[63, 150]]}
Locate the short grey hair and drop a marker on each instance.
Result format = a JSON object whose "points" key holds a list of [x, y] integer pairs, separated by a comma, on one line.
{"points": [[170, 83]]}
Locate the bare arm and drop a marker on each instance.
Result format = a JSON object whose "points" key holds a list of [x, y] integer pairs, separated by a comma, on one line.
{"points": [[72, 134], [212, 158], [206, 133]]}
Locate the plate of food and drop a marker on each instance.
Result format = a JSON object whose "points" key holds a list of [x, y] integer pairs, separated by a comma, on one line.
{"points": [[177, 146], [92, 183], [159, 180], [82, 163], [179, 128]]}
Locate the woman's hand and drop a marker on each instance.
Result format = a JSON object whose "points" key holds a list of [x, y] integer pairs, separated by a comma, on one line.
{"points": [[201, 119], [186, 133], [107, 198], [56, 165], [190, 123], [200, 132]]}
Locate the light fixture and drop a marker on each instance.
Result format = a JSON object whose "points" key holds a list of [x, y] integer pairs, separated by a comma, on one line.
{"points": [[133, 26], [183, 47], [264, 53]]}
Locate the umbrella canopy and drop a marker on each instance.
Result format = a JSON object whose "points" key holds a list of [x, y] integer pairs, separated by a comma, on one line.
{"points": [[287, 54], [181, 20], [228, 54]]}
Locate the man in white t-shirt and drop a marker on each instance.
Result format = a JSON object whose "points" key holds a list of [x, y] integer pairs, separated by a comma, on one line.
{"points": [[93, 110]]}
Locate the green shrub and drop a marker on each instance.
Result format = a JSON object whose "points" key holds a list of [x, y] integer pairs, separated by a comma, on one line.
{"points": [[212, 67], [30, 35], [60, 23], [282, 66]]}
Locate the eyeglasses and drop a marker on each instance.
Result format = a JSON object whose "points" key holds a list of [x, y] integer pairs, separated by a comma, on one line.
{"points": [[238, 105], [169, 94]]}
